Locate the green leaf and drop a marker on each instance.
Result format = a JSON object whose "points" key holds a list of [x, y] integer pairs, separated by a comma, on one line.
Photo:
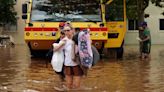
{"points": [[8, 14]]}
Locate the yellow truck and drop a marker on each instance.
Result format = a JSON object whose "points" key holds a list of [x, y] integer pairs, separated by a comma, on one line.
{"points": [[106, 20]]}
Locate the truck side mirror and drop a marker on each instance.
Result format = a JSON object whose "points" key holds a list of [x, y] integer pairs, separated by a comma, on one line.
{"points": [[24, 16], [24, 8], [24, 11]]}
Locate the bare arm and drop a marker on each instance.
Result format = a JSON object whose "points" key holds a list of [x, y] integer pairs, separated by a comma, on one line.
{"points": [[147, 38], [59, 46]]}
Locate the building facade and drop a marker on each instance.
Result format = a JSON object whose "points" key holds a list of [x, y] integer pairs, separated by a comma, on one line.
{"points": [[155, 23]]}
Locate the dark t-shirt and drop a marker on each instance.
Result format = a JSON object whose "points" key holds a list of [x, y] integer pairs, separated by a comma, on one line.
{"points": [[75, 38], [146, 33]]}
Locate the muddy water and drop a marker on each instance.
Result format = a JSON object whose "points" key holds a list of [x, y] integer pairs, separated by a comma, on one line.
{"points": [[20, 73]]}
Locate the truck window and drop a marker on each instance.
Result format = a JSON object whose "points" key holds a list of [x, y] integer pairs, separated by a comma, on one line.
{"points": [[115, 11], [65, 10]]}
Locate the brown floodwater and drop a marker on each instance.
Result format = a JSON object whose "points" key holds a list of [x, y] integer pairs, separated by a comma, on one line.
{"points": [[21, 73]]}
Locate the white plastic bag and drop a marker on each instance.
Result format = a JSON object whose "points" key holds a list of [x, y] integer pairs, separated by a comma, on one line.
{"points": [[57, 60]]}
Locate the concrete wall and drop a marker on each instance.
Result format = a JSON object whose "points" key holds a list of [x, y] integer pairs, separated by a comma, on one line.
{"points": [[153, 23]]}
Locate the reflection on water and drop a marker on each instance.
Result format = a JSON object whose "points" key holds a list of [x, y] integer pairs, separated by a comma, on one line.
{"points": [[20, 73], [13, 67]]}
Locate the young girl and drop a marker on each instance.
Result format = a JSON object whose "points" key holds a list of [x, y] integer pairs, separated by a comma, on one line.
{"points": [[72, 70]]}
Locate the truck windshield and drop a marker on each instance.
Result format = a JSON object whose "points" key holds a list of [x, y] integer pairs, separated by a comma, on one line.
{"points": [[115, 11], [66, 10]]}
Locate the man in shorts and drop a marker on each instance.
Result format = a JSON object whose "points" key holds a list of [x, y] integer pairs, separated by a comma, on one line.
{"points": [[146, 41]]}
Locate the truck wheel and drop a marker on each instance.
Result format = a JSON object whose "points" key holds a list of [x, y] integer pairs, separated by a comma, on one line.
{"points": [[37, 53], [32, 52], [120, 52], [100, 50]]}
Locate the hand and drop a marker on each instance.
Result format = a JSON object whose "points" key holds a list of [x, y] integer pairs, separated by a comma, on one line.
{"points": [[141, 40], [54, 50]]}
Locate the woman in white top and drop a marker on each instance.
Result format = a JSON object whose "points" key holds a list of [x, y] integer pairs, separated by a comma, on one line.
{"points": [[72, 70]]}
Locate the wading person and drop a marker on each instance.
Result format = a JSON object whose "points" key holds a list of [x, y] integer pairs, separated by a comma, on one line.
{"points": [[72, 70], [61, 74], [139, 39], [62, 35], [146, 42]]}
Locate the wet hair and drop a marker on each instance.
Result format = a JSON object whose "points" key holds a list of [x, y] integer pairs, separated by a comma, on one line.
{"points": [[144, 23], [75, 38], [62, 33], [67, 28], [77, 29], [68, 23]]}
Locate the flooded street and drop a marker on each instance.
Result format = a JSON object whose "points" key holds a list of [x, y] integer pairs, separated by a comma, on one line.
{"points": [[20, 73]]}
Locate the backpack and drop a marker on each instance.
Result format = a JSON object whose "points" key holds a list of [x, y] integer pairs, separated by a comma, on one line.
{"points": [[89, 55]]}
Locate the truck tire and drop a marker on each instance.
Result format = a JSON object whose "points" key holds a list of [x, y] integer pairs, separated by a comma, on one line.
{"points": [[120, 51], [37, 53]]}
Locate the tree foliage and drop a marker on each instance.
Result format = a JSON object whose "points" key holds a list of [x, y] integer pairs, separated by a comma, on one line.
{"points": [[131, 9], [8, 15], [136, 8], [158, 2]]}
